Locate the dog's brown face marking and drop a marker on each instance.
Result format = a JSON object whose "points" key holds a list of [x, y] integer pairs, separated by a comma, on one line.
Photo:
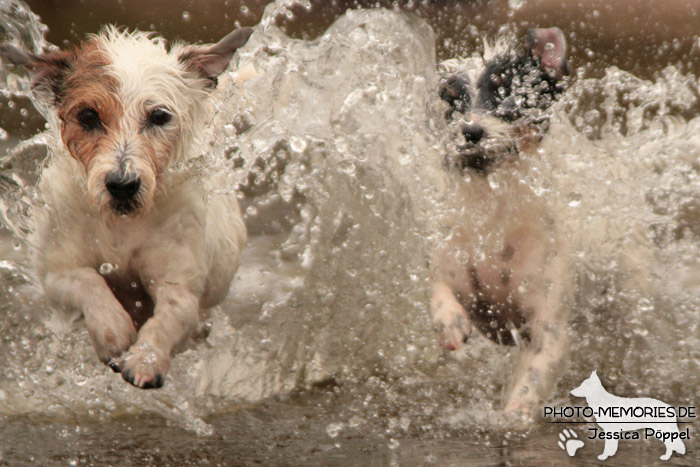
{"points": [[128, 107], [88, 104]]}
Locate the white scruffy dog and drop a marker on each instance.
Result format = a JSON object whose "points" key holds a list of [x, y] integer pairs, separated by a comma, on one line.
{"points": [[135, 246], [503, 269]]}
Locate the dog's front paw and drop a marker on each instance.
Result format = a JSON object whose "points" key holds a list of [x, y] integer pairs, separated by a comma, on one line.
{"points": [[522, 402], [143, 366], [112, 337], [452, 335], [449, 318], [452, 327]]}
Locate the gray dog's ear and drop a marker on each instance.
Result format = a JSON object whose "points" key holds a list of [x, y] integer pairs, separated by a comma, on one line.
{"points": [[211, 60], [549, 44], [47, 70]]}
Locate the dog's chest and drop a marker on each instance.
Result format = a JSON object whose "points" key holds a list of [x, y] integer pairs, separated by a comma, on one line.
{"points": [[488, 209], [117, 242], [499, 231]]}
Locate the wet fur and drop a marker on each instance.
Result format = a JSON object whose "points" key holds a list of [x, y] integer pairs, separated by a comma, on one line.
{"points": [[139, 269], [503, 267]]}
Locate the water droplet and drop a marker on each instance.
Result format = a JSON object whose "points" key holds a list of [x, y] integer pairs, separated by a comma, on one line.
{"points": [[185, 15], [393, 444], [134, 285], [333, 429], [297, 144], [138, 304], [574, 199], [347, 167], [107, 268]]}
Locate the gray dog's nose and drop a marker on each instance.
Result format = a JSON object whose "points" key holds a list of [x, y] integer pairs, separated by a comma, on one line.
{"points": [[120, 188], [473, 132]]}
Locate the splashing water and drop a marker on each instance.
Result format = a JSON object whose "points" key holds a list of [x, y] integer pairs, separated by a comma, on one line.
{"points": [[335, 147]]}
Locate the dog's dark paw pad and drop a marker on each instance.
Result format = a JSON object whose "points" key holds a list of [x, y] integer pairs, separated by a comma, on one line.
{"points": [[128, 377], [155, 384]]}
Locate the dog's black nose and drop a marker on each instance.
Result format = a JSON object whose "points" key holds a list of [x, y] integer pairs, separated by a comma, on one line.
{"points": [[120, 188], [473, 132]]}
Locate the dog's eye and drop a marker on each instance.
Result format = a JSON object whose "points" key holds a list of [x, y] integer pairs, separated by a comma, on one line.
{"points": [[89, 119], [159, 117]]}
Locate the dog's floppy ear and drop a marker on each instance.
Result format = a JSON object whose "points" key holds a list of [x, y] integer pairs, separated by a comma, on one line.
{"points": [[211, 60], [549, 45], [47, 70]]}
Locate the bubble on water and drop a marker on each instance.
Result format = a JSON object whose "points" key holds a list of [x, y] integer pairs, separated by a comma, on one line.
{"points": [[3, 135], [355, 421], [347, 167], [574, 199], [138, 304], [334, 429], [645, 305], [80, 380], [297, 144], [107, 268], [393, 444], [186, 16], [359, 37]]}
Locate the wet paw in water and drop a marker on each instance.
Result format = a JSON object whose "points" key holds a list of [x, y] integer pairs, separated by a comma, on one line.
{"points": [[142, 367], [569, 442], [115, 334], [452, 326]]}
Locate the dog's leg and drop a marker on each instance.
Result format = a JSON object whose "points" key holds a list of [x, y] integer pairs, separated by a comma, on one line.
{"points": [[109, 325], [669, 451], [609, 449], [175, 316], [540, 363], [450, 319]]}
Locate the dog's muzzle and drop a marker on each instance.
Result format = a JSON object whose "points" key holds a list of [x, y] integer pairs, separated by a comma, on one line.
{"points": [[123, 191]]}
